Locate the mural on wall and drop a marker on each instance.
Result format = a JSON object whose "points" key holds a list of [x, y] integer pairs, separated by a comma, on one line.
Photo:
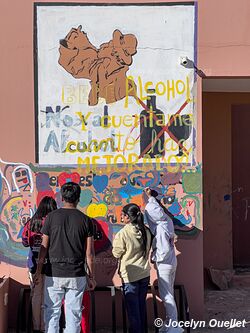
{"points": [[103, 194], [16, 207], [110, 86], [105, 67], [115, 114]]}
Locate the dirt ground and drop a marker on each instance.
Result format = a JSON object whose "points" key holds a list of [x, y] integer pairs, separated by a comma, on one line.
{"points": [[233, 303]]}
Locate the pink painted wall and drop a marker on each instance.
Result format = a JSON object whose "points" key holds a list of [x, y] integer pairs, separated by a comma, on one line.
{"points": [[223, 37], [223, 50]]}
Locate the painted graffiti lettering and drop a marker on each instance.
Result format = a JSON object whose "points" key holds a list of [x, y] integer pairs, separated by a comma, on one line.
{"points": [[84, 119], [120, 161], [170, 88], [93, 145], [53, 142], [78, 94], [118, 121], [75, 94], [149, 119], [85, 181], [167, 145], [58, 119]]}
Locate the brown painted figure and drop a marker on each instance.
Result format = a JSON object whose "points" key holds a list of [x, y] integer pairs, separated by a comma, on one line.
{"points": [[105, 67], [77, 54]]}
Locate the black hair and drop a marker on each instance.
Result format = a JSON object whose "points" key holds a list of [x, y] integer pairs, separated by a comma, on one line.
{"points": [[136, 218], [71, 192], [47, 205]]}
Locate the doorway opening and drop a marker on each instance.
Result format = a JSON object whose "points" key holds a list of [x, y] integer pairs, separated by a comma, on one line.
{"points": [[226, 161]]}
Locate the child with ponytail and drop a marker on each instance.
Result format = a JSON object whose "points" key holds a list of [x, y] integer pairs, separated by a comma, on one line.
{"points": [[131, 246]]}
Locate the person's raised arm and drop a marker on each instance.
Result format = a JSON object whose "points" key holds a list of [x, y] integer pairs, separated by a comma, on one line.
{"points": [[153, 208]]}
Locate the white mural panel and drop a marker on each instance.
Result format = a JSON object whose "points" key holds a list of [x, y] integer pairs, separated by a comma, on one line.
{"points": [[110, 84]]}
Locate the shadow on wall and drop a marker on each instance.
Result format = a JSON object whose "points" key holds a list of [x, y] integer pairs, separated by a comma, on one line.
{"points": [[105, 263]]}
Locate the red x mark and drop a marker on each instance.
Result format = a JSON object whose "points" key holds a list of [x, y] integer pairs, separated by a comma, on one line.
{"points": [[164, 128]]}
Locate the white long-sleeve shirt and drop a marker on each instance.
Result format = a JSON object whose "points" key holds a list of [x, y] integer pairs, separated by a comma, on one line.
{"points": [[161, 226]]}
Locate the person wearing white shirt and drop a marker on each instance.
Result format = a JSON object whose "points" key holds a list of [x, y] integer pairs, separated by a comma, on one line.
{"points": [[163, 255]]}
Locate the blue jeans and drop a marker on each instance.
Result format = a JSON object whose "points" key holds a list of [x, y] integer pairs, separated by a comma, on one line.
{"points": [[71, 290], [135, 294]]}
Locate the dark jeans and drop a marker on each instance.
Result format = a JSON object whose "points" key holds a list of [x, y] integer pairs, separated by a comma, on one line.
{"points": [[135, 300]]}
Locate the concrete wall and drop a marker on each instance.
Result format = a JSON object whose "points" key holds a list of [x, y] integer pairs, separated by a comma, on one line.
{"points": [[217, 177], [18, 129], [223, 37], [223, 50]]}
